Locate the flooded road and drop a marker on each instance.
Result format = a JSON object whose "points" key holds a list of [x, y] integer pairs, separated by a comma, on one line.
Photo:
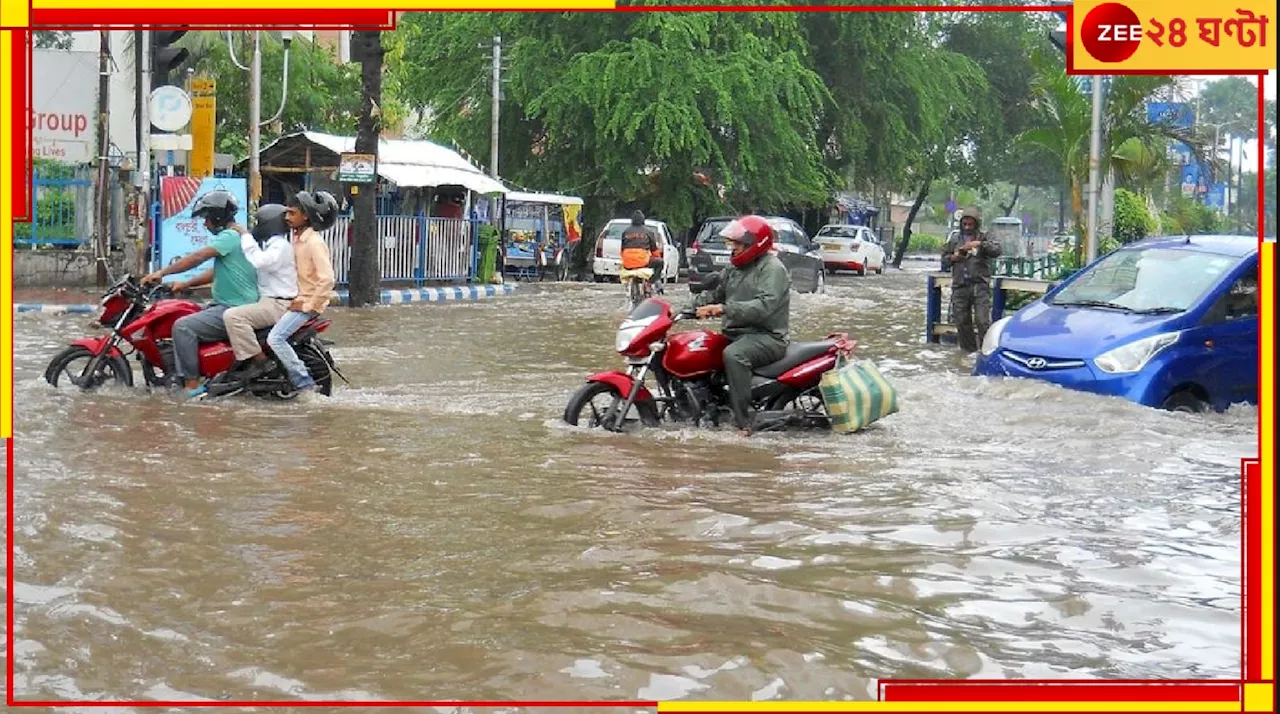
{"points": [[435, 532]]}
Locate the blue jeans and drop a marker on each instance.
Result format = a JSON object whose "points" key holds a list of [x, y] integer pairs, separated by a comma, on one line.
{"points": [[278, 341]]}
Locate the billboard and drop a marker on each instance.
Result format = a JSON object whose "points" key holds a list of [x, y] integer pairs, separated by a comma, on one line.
{"points": [[63, 109], [1179, 114], [1216, 197], [180, 232]]}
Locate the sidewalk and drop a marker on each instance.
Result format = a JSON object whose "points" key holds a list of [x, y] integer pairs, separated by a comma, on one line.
{"points": [[59, 301]]}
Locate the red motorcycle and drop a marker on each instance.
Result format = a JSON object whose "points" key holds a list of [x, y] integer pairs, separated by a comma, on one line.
{"points": [[688, 368], [141, 322]]}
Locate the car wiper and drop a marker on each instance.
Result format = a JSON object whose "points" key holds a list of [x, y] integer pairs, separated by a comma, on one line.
{"points": [[1158, 311], [1095, 303]]}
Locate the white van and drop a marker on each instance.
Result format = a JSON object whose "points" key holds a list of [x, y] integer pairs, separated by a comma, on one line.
{"points": [[608, 260]]}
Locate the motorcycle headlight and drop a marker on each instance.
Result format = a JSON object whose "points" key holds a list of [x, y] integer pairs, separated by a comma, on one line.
{"points": [[991, 341], [626, 334], [1132, 357]]}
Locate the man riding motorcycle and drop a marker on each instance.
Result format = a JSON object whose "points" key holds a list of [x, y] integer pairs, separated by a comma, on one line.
{"points": [[234, 279], [753, 296], [641, 248]]}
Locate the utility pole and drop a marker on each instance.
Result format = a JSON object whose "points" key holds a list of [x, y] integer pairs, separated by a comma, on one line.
{"points": [[255, 119], [104, 193], [497, 105], [1095, 157], [143, 41]]}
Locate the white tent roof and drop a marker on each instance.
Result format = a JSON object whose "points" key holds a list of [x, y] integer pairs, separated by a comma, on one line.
{"points": [[553, 198], [416, 163]]}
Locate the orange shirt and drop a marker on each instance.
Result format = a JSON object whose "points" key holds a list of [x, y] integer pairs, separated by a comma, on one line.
{"points": [[315, 270]]}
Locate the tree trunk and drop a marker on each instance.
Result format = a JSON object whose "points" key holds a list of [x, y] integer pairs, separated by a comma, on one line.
{"points": [[911, 217], [1013, 203], [1077, 215], [365, 273]]}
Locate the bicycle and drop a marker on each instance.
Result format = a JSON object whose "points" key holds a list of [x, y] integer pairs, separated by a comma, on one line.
{"points": [[638, 284]]}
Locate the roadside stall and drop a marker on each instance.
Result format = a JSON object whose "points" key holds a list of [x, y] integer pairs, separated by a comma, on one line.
{"points": [[539, 231]]}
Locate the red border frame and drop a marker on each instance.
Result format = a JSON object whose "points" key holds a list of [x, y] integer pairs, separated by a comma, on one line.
{"points": [[902, 690]]}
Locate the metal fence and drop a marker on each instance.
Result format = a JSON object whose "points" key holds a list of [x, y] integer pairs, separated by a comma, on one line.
{"points": [[411, 248], [64, 208]]}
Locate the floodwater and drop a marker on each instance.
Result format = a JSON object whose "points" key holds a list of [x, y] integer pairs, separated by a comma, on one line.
{"points": [[435, 532]]}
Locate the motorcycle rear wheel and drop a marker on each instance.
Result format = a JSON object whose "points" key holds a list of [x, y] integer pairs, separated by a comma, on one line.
{"points": [[316, 366], [813, 410], [583, 401], [112, 369]]}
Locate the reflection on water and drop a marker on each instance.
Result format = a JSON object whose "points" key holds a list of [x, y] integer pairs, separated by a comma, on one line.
{"points": [[434, 531]]}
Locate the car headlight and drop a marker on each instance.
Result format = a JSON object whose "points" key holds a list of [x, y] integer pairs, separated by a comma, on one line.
{"points": [[1132, 357], [991, 341]]}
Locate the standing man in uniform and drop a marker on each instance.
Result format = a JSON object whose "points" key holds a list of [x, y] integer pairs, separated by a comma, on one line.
{"points": [[967, 254]]}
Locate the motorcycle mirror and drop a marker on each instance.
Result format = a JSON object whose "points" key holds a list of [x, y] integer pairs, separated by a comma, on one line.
{"points": [[708, 283]]}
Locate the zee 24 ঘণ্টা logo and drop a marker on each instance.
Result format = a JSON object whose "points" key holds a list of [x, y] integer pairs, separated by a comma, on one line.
{"points": [[1112, 32]]}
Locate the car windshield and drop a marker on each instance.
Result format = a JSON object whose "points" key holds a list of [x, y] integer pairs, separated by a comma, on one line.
{"points": [[838, 232], [1152, 280], [709, 234]]}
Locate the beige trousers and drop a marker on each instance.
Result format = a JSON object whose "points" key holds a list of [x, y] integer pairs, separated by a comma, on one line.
{"points": [[243, 320]]}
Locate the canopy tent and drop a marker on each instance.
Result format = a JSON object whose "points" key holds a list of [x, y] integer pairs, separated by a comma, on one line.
{"points": [[551, 198], [403, 162]]}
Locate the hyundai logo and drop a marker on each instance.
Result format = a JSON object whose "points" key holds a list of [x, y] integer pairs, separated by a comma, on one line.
{"points": [[1037, 363]]}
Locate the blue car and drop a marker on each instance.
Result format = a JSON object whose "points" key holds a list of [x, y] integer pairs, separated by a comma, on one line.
{"points": [[1167, 322]]}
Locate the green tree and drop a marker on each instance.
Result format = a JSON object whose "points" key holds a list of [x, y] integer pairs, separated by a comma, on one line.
{"points": [[1231, 102], [323, 95], [53, 40], [1065, 126], [1132, 220], [999, 43], [729, 95]]}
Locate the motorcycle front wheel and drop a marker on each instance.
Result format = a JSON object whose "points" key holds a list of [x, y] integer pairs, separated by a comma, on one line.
{"points": [[66, 366], [599, 402]]}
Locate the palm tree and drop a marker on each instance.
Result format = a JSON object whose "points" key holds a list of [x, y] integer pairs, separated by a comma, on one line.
{"points": [[1131, 143]]}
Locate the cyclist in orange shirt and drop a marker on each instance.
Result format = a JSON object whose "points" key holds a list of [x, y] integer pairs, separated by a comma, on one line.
{"points": [[641, 248]]}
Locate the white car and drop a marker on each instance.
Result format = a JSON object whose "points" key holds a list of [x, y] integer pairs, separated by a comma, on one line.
{"points": [[846, 247], [608, 261]]}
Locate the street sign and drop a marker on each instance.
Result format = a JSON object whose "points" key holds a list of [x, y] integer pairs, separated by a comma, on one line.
{"points": [[357, 168], [203, 126], [170, 108]]}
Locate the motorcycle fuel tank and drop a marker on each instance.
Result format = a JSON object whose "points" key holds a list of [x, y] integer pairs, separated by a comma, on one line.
{"points": [[694, 353]]}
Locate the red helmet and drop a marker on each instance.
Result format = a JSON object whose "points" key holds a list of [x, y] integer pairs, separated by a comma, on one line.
{"points": [[752, 231]]}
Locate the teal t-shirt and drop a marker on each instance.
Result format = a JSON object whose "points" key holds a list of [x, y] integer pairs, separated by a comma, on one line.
{"points": [[235, 281]]}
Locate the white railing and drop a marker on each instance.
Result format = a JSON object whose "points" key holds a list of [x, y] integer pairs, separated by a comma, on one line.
{"points": [[449, 247]]}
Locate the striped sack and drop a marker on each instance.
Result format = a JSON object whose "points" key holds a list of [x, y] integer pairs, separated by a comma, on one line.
{"points": [[856, 394]]}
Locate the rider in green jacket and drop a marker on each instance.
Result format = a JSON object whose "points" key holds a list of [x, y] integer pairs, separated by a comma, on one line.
{"points": [[753, 296]]}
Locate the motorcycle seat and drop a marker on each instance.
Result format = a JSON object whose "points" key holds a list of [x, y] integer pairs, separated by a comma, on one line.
{"points": [[262, 332], [797, 354]]}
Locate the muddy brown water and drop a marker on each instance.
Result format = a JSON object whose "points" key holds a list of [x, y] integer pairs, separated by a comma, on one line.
{"points": [[434, 531]]}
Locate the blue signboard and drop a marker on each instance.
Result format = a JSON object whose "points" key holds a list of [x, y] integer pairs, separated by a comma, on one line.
{"points": [[1181, 152], [1179, 114], [1216, 197], [180, 232]]}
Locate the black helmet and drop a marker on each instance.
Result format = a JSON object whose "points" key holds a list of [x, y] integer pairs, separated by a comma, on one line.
{"points": [[321, 208], [218, 206], [637, 218], [269, 221]]}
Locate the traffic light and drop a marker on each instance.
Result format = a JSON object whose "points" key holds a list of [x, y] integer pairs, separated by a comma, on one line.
{"points": [[164, 56], [1058, 36]]}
